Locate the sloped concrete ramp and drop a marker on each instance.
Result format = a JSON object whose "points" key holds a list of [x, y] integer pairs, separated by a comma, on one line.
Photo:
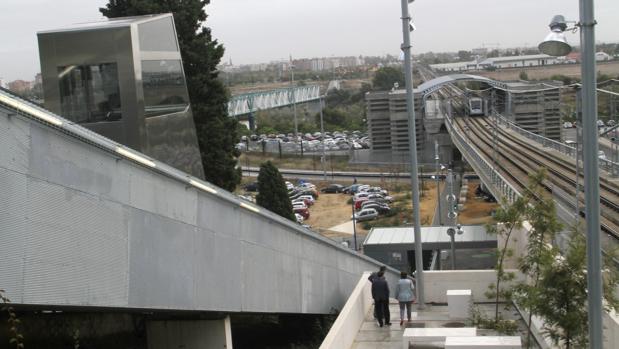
{"points": [[85, 222]]}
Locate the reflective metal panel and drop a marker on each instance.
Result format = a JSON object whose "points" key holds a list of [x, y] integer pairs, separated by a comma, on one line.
{"points": [[97, 76]]}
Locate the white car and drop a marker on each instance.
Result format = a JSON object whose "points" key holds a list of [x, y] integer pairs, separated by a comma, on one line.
{"points": [[567, 124], [298, 205], [289, 185], [307, 185], [299, 218], [601, 155], [367, 214], [380, 198], [309, 198]]}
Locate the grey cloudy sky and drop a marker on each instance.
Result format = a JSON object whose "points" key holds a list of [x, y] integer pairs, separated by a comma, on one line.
{"points": [[260, 31]]}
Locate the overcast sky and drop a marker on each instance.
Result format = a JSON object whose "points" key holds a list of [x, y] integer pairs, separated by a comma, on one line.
{"points": [[260, 31]]}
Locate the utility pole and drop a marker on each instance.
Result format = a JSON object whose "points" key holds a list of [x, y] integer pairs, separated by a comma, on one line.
{"points": [[438, 189], [294, 104], [412, 140], [322, 136]]}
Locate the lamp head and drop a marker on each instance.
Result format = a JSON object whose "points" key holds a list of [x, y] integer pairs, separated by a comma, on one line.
{"points": [[555, 43]]}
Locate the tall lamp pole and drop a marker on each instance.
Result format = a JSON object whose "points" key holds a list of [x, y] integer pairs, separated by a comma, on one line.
{"points": [[322, 135], [412, 141], [555, 44], [438, 189]]}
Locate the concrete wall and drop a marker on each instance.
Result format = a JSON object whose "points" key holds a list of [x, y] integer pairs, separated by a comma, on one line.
{"points": [[84, 227], [197, 334], [438, 282], [343, 332]]}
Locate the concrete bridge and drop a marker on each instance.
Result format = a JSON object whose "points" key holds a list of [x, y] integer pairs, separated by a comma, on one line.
{"points": [[90, 224]]}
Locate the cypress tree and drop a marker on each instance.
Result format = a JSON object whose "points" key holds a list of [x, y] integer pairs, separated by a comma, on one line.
{"points": [[272, 192], [217, 133]]}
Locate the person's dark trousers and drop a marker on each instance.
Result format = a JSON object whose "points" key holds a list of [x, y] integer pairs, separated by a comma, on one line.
{"points": [[381, 307]]}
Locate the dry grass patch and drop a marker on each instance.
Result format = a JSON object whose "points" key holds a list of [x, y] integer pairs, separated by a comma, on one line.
{"points": [[476, 210]]}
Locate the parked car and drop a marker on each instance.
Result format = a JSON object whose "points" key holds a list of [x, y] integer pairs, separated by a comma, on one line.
{"points": [[289, 185], [298, 202], [251, 186], [600, 123], [362, 194], [377, 190], [308, 199], [333, 188], [299, 205], [353, 188], [380, 198], [302, 211], [567, 124], [360, 202], [601, 155], [299, 218], [380, 208], [366, 214], [307, 185]]}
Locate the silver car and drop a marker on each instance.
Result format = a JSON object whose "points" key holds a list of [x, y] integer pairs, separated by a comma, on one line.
{"points": [[366, 214]]}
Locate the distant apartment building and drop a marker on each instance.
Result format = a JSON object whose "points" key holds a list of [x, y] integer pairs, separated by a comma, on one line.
{"points": [[20, 86], [327, 63]]}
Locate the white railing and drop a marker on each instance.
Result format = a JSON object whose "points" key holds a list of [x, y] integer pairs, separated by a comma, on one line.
{"points": [[606, 165], [498, 185]]}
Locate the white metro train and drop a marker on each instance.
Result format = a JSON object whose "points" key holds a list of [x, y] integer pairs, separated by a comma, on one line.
{"points": [[477, 106]]}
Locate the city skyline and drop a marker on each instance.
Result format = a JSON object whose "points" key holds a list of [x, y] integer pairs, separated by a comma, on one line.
{"points": [[346, 28]]}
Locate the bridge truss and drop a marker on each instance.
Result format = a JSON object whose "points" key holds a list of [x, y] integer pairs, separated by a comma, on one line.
{"points": [[251, 102]]}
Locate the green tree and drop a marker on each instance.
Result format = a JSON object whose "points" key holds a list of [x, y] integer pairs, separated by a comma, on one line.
{"points": [[545, 226], [507, 219], [523, 75], [385, 77], [561, 297], [272, 193], [217, 133], [464, 55]]}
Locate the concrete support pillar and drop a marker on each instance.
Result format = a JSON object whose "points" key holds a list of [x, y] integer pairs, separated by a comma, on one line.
{"points": [[189, 334]]}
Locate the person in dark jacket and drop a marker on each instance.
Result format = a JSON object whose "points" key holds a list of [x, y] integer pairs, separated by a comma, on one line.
{"points": [[374, 275], [371, 278], [380, 293]]}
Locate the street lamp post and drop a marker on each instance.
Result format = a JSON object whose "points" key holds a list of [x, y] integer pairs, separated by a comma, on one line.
{"points": [[322, 136], [438, 189], [452, 237], [555, 44], [412, 140], [294, 104], [354, 223]]}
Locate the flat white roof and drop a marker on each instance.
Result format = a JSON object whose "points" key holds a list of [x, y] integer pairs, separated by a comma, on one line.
{"points": [[431, 237]]}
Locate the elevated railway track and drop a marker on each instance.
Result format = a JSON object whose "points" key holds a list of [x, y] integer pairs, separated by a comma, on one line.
{"points": [[515, 158]]}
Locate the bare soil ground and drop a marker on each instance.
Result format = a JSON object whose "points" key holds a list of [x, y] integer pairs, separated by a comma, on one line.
{"points": [[333, 209], [545, 72], [476, 210]]}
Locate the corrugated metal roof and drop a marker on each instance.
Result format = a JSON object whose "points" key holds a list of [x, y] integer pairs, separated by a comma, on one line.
{"points": [[429, 235]]}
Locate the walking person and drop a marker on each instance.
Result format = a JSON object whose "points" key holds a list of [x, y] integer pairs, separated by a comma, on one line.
{"points": [[371, 278], [405, 294], [380, 293]]}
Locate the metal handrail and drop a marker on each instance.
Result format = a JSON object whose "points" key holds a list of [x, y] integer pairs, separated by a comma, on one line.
{"points": [[607, 165], [486, 170]]}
